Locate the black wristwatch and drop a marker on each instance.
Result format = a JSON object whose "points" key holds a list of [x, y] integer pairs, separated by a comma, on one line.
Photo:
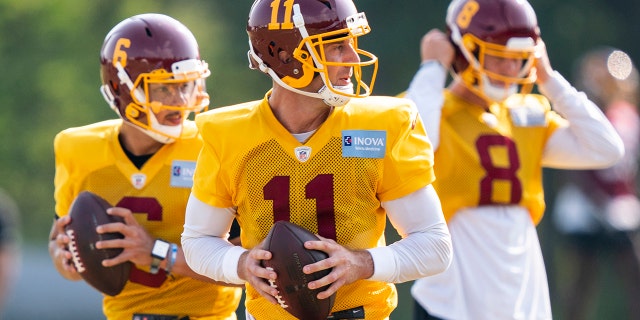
{"points": [[158, 253]]}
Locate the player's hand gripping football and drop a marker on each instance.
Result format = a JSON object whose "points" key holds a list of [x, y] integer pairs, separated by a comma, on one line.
{"points": [[250, 270], [348, 266], [136, 244], [59, 250]]}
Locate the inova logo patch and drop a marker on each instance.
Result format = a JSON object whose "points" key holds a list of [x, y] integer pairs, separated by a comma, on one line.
{"points": [[182, 173], [364, 143]]}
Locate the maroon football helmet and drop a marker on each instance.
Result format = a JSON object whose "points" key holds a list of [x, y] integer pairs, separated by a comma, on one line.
{"points": [[287, 41], [146, 50], [501, 28]]}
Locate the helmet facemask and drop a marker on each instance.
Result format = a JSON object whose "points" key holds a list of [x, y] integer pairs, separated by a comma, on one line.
{"points": [[488, 34], [310, 53], [150, 51], [183, 90], [357, 26], [492, 86]]}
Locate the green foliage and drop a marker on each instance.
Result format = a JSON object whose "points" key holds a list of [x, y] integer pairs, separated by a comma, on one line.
{"points": [[50, 51]]}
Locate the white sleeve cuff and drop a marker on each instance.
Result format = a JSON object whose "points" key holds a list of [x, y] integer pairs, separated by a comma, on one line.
{"points": [[384, 264], [230, 264]]}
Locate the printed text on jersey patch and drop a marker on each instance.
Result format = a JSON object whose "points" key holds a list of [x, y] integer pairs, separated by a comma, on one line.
{"points": [[364, 143]]}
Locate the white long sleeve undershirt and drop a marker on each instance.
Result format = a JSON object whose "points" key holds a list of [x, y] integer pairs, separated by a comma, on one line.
{"points": [[588, 142], [425, 247]]}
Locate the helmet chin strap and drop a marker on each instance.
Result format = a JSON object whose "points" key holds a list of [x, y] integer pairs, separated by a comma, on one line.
{"points": [[328, 97], [335, 100], [165, 133], [497, 93]]}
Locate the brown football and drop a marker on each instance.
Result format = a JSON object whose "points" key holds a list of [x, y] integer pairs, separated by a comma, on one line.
{"points": [[87, 212], [286, 241]]}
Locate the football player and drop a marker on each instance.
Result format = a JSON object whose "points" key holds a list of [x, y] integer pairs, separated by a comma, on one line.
{"points": [[322, 154], [142, 163], [492, 137]]}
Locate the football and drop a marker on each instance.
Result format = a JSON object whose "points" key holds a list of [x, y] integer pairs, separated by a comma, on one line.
{"points": [[286, 241], [87, 212]]}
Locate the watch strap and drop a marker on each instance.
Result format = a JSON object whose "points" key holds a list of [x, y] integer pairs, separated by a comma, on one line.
{"points": [[155, 265]]}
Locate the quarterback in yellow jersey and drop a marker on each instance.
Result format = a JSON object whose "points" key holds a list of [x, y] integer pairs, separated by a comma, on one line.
{"points": [[309, 154], [492, 138], [143, 165]]}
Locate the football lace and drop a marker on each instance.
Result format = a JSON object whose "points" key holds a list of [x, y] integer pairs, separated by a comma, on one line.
{"points": [[73, 248], [272, 283]]}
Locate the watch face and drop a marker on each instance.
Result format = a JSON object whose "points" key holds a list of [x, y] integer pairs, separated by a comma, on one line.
{"points": [[160, 249]]}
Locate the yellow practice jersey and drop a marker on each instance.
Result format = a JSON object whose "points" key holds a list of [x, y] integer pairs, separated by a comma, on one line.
{"points": [[493, 158], [371, 150], [91, 158]]}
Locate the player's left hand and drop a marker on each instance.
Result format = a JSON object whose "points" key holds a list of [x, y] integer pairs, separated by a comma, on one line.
{"points": [[250, 270], [348, 266], [543, 65], [136, 244]]}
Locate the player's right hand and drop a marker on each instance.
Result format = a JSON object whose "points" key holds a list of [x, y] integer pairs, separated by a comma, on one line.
{"points": [[59, 250], [435, 45], [136, 244], [250, 270]]}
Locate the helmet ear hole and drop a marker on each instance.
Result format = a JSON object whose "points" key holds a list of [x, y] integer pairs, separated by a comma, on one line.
{"points": [[284, 56]]}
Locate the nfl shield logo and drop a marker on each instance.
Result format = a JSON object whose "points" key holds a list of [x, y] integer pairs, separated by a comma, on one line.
{"points": [[138, 180], [302, 153]]}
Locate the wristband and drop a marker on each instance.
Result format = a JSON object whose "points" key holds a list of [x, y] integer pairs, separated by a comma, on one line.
{"points": [[173, 255]]}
